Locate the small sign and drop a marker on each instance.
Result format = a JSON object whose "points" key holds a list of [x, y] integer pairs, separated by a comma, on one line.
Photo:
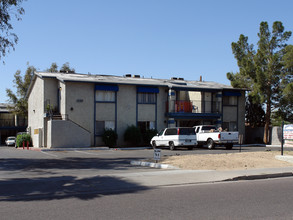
{"points": [[288, 135], [157, 154]]}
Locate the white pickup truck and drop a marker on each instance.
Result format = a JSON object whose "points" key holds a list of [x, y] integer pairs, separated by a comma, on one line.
{"points": [[209, 135], [175, 137]]}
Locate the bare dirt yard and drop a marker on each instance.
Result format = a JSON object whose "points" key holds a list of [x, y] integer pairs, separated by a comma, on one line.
{"points": [[229, 161]]}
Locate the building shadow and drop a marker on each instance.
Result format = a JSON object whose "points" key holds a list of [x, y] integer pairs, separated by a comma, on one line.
{"points": [[64, 187]]}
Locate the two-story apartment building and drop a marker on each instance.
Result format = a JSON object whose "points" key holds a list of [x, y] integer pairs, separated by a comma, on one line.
{"points": [[87, 104]]}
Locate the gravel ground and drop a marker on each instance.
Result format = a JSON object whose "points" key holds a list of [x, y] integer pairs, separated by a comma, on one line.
{"points": [[229, 161]]}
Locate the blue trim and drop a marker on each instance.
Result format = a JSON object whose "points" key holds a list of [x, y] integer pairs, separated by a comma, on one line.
{"points": [[103, 87], [147, 89], [230, 93], [171, 121]]}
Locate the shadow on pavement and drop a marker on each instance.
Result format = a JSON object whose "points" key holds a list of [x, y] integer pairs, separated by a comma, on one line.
{"points": [[62, 187], [18, 164]]}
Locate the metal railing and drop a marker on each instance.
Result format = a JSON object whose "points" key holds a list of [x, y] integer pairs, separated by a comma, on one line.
{"points": [[194, 106]]}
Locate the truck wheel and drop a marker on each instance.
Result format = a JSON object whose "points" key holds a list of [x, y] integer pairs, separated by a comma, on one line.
{"points": [[171, 145], [229, 146], [211, 144], [154, 144]]}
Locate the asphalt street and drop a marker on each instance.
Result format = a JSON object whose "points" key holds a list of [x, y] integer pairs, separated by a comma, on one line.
{"points": [[258, 199], [76, 177]]}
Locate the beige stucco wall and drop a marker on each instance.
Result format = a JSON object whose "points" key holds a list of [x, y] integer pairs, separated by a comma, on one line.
{"points": [[62, 101], [51, 91], [36, 110], [126, 109], [79, 104], [229, 113], [162, 98], [105, 111], [67, 134], [146, 112]]}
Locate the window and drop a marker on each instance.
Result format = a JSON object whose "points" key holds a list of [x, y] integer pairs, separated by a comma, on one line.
{"points": [[146, 125], [171, 131], [230, 126], [146, 98], [230, 100], [102, 125], [186, 131], [105, 96]]}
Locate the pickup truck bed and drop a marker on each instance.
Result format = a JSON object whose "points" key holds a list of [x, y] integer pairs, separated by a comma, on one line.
{"points": [[210, 136]]}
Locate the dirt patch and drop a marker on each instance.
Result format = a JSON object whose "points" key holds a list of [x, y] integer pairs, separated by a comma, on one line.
{"points": [[229, 161]]}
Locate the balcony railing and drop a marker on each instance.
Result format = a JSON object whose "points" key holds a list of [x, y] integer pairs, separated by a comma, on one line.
{"points": [[194, 106]]}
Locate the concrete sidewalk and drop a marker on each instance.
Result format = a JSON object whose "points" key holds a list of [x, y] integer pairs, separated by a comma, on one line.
{"points": [[183, 177], [180, 177]]}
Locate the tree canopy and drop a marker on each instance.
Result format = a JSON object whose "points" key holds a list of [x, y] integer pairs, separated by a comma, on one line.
{"points": [[8, 39], [262, 71], [22, 83]]}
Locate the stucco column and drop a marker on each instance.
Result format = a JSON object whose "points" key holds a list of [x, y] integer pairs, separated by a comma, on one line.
{"points": [[171, 101]]}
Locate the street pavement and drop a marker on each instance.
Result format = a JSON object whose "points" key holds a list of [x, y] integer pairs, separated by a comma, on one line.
{"points": [[43, 178], [165, 175]]}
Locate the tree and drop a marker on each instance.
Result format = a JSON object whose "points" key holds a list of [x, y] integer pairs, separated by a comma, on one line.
{"points": [[66, 68], [7, 38], [20, 106], [254, 113], [262, 70], [22, 84], [53, 68], [285, 108]]}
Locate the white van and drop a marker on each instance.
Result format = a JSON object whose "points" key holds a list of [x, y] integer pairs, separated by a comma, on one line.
{"points": [[175, 137]]}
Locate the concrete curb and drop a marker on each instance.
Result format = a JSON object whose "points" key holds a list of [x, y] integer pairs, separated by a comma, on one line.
{"points": [[261, 176], [284, 158], [154, 165]]}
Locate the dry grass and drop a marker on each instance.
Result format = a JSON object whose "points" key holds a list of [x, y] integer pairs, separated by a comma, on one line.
{"points": [[229, 161]]}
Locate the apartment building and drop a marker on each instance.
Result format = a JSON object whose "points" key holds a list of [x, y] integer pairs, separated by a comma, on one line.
{"points": [[72, 110]]}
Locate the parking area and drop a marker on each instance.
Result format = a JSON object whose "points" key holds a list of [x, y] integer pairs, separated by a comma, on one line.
{"points": [[127, 155]]}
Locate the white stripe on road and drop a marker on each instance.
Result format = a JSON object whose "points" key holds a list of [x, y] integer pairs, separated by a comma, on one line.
{"points": [[85, 152], [49, 154]]}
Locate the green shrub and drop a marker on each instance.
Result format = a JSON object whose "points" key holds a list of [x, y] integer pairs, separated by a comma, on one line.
{"points": [[148, 135], [23, 138], [109, 137], [132, 135]]}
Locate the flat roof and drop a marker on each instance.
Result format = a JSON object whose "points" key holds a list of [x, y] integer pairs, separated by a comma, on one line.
{"points": [[178, 83]]}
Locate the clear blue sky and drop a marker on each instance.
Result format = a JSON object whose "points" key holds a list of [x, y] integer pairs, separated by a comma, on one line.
{"points": [[151, 38]]}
